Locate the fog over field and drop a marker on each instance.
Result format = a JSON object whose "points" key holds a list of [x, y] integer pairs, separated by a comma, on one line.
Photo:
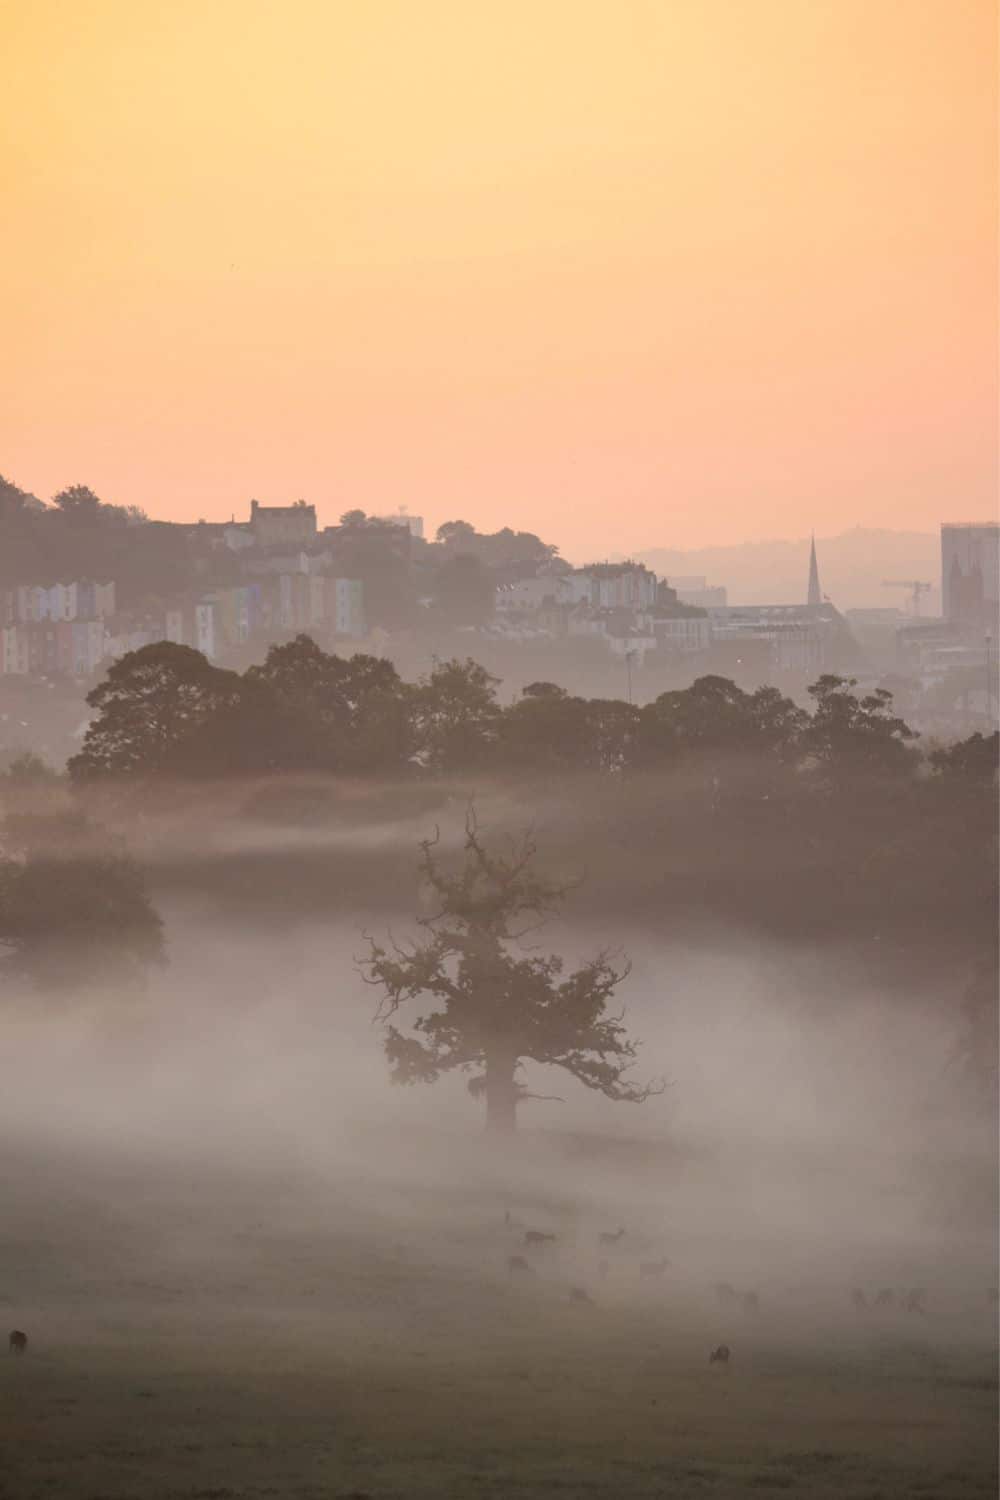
{"points": [[248, 1264]]}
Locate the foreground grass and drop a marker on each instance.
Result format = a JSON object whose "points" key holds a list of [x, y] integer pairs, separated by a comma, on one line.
{"points": [[191, 1345]]}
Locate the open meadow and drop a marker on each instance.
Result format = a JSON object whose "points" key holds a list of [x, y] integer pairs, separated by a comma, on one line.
{"points": [[248, 1266], [202, 1332]]}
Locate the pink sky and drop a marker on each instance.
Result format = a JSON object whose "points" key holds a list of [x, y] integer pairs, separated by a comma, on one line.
{"points": [[629, 275]]}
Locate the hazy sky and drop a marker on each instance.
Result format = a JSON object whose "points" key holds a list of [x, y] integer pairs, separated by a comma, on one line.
{"points": [[625, 272]]}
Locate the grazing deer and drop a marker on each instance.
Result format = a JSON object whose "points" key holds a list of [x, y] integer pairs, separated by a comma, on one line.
{"points": [[18, 1342], [886, 1297], [914, 1301], [653, 1267], [859, 1299], [518, 1263], [611, 1239], [719, 1356], [579, 1294], [536, 1237], [751, 1302]]}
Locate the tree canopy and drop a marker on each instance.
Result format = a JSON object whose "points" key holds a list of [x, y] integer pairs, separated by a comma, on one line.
{"points": [[497, 1003]]}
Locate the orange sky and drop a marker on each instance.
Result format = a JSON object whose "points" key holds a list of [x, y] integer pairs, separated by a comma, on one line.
{"points": [[625, 272]]}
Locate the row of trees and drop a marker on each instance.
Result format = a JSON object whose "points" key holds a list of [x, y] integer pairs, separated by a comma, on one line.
{"points": [[165, 709]]}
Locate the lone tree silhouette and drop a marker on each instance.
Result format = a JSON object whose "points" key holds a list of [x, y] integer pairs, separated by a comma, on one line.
{"points": [[497, 1003]]}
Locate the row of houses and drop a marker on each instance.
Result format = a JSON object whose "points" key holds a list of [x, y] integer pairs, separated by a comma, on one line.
{"points": [[31, 603], [264, 609], [35, 641], [634, 613]]}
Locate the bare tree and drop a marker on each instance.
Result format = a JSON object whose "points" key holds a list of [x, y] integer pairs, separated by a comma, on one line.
{"points": [[499, 1003]]}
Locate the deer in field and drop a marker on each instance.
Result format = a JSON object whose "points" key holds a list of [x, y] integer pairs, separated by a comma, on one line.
{"points": [[537, 1237], [859, 1299], [611, 1239], [914, 1301], [719, 1355], [18, 1342], [653, 1267]]}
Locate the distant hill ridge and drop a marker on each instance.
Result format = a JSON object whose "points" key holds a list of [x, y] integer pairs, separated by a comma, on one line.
{"points": [[852, 566]]}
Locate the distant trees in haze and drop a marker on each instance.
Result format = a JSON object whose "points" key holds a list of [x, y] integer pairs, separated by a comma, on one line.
{"points": [[165, 708], [693, 797], [74, 909], [79, 535], [493, 1003], [156, 707]]}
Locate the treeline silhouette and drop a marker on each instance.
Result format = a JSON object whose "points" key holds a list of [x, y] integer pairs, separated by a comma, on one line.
{"points": [[167, 710]]}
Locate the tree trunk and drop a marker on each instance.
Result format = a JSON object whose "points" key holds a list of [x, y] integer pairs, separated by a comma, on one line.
{"points": [[501, 1093]]}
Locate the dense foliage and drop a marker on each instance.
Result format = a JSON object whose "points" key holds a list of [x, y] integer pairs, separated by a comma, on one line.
{"points": [[165, 709], [495, 1002]]}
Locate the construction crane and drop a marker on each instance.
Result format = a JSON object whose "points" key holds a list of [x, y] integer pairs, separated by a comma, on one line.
{"points": [[915, 587]]}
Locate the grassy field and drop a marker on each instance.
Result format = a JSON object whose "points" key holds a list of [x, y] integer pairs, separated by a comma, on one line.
{"points": [[205, 1334]]}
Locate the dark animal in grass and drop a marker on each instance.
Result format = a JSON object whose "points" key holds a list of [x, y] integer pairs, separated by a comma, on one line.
{"points": [[18, 1342], [859, 1299], [579, 1294], [536, 1237], [914, 1301], [653, 1267], [517, 1263], [611, 1239], [719, 1355]]}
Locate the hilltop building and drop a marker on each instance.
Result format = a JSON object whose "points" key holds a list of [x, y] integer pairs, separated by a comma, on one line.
{"points": [[413, 524], [281, 525]]}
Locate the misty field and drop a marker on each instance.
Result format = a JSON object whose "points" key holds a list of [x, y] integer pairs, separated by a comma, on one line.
{"points": [[204, 1332], [248, 1265]]}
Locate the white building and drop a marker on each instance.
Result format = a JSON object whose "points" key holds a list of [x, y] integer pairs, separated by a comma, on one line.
{"points": [[62, 602], [530, 594], [88, 646], [627, 585], [204, 628], [348, 606], [686, 635], [14, 651]]}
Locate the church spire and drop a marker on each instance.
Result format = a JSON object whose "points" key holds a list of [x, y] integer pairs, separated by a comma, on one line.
{"points": [[815, 596]]}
